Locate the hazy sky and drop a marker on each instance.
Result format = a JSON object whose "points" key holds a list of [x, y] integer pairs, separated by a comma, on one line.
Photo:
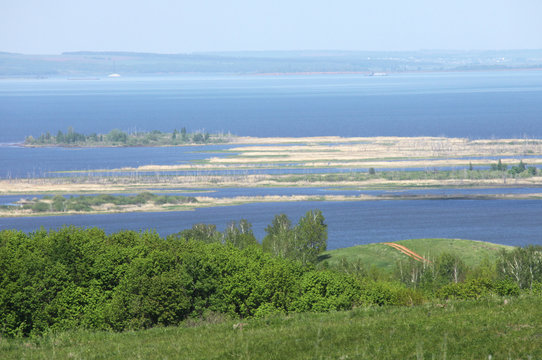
{"points": [[168, 26]]}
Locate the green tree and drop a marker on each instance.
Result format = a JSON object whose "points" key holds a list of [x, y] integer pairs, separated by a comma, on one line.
{"points": [[518, 169], [117, 136], [59, 137], [450, 268], [198, 138], [206, 233], [521, 265], [499, 166], [59, 203], [310, 237], [279, 238], [240, 236]]}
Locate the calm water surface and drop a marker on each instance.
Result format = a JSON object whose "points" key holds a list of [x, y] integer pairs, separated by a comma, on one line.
{"points": [[474, 104], [512, 222], [469, 104]]}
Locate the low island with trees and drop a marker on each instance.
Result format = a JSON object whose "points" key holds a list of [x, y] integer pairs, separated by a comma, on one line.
{"points": [[118, 137]]}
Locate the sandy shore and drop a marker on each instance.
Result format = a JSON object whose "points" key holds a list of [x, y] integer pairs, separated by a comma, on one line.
{"points": [[134, 185]]}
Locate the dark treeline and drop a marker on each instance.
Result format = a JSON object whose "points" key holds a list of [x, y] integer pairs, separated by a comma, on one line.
{"points": [[84, 278], [118, 137]]}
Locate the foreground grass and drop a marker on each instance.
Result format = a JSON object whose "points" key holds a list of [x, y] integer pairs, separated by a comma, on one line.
{"points": [[385, 257], [502, 329]]}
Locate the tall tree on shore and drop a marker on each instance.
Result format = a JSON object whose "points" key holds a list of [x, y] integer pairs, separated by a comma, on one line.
{"points": [[310, 237], [240, 235], [278, 240], [304, 242]]}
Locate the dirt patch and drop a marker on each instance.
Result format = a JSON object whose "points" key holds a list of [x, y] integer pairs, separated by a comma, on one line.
{"points": [[407, 252]]}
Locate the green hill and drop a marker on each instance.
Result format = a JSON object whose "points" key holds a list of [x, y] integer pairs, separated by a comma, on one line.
{"points": [[385, 257]]}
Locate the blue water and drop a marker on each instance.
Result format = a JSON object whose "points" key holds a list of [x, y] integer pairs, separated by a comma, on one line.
{"points": [[512, 222], [470, 104], [21, 162], [474, 104]]}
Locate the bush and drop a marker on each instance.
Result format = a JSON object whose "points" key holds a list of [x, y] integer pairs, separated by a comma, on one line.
{"points": [[383, 293], [326, 290], [74, 278], [471, 289], [41, 207], [78, 206], [506, 288]]}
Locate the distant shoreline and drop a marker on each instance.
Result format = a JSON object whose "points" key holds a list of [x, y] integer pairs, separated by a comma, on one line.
{"points": [[387, 73], [97, 76]]}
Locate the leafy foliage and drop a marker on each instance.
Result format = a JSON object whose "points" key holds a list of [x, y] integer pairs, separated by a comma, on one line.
{"points": [[83, 278], [522, 266], [304, 242]]}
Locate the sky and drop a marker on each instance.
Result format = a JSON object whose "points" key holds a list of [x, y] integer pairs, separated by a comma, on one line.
{"points": [[168, 26]]}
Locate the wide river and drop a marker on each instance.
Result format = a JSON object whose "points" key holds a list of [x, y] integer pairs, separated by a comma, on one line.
{"points": [[470, 104], [512, 222]]}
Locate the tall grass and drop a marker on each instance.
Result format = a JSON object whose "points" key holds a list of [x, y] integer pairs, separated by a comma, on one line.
{"points": [[493, 328]]}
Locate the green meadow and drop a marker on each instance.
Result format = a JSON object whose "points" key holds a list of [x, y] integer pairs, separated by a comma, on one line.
{"points": [[384, 257], [493, 328]]}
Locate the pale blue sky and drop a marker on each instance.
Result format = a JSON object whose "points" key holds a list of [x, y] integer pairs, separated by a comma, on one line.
{"points": [[168, 26]]}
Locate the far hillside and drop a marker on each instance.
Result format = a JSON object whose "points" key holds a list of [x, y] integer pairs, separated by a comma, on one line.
{"points": [[385, 257], [101, 64]]}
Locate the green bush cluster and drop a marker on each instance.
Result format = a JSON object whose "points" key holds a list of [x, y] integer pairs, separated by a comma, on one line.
{"points": [[477, 288], [520, 169], [84, 278]]}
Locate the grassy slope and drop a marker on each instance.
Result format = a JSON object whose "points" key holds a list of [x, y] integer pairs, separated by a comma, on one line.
{"points": [[385, 257], [460, 330]]}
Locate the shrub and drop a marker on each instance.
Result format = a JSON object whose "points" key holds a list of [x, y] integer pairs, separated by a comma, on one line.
{"points": [[383, 293], [326, 290], [506, 288], [471, 289], [41, 207]]}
